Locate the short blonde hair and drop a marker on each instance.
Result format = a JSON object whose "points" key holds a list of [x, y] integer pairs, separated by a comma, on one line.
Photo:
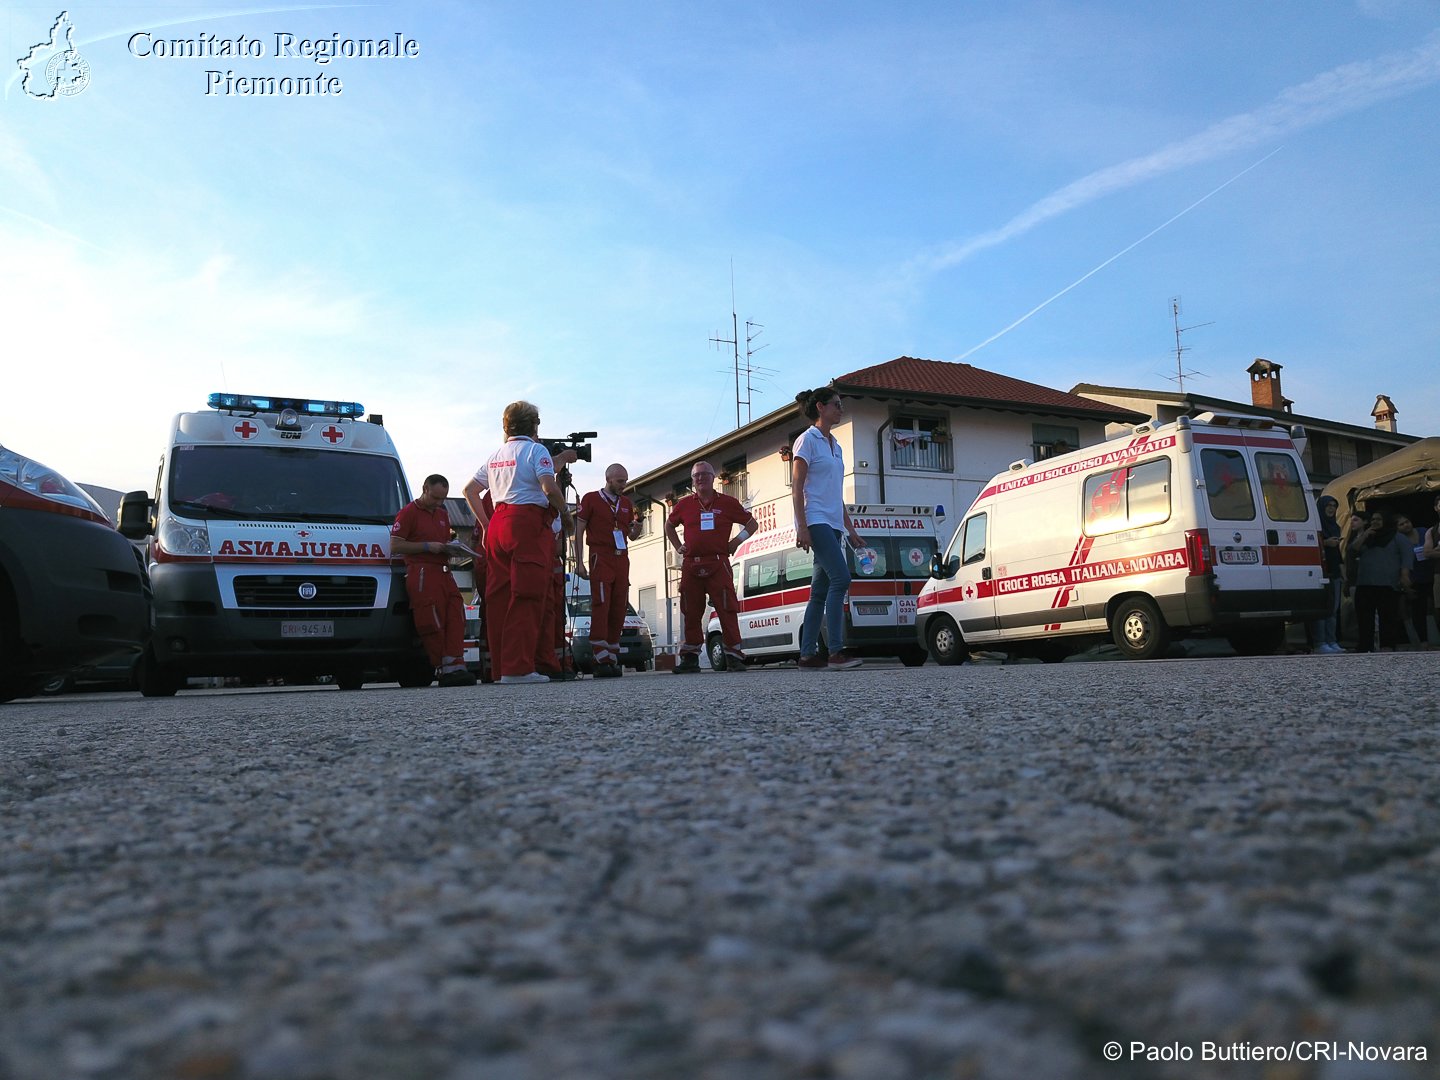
{"points": [[521, 418]]}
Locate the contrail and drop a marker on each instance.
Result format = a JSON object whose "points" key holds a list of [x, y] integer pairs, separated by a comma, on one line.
{"points": [[1112, 258], [1333, 93]]}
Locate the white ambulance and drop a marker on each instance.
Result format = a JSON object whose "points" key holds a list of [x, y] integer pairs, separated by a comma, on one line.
{"points": [[268, 536], [772, 584], [1198, 526]]}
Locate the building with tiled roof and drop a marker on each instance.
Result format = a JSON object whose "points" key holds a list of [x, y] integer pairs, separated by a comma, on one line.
{"points": [[916, 433]]}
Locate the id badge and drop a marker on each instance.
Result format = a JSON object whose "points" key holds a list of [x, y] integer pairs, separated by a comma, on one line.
{"points": [[707, 520], [619, 540]]}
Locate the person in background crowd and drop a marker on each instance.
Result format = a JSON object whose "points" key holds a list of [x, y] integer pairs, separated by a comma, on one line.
{"points": [[1324, 631], [607, 520], [519, 541], [1427, 570], [821, 522], [1415, 600], [707, 515], [1382, 573], [421, 534], [1422, 581]]}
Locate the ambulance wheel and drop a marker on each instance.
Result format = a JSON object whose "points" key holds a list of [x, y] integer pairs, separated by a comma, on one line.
{"points": [[1139, 631], [415, 674], [946, 644], [349, 680], [715, 646], [153, 678], [913, 657]]}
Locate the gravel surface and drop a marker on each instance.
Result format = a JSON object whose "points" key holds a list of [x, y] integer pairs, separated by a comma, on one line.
{"points": [[989, 871]]}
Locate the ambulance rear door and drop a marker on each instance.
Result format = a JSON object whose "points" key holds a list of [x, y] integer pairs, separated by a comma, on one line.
{"points": [[1237, 527], [1292, 544], [883, 597]]}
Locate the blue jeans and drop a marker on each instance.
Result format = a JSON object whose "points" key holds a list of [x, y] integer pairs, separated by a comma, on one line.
{"points": [[829, 581], [1323, 630]]}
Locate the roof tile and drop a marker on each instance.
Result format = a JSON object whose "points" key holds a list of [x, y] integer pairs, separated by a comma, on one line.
{"points": [[939, 378]]}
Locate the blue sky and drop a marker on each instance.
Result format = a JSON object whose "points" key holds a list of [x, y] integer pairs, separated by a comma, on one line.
{"points": [[547, 203]]}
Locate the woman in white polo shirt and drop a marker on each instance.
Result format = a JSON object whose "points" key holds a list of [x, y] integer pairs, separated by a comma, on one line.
{"points": [[821, 522]]}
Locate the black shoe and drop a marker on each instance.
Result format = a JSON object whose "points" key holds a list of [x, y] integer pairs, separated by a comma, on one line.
{"points": [[457, 678], [688, 665], [607, 671], [734, 663]]}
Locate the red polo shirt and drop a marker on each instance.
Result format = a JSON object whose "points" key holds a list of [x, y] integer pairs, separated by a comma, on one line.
{"points": [[690, 514], [423, 526], [601, 519]]}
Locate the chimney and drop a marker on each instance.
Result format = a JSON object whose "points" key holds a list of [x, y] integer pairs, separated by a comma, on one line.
{"points": [[1265, 386], [1384, 414]]}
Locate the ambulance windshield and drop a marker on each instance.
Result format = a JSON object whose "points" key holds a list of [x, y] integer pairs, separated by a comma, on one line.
{"points": [[281, 484]]}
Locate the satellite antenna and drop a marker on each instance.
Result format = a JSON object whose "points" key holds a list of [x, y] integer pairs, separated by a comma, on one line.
{"points": [[1180, 349]]}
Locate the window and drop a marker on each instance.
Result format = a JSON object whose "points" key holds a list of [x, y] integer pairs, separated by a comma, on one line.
{"points": [[921, 442], [646, 519], [1127, 498], [1227, 484], [285, 484], [786, 456], [774, 571], [1319, 451], [735, 482], [896, 557], [1280, 487], [973, 548], [1050, 440], [1343, 457]]}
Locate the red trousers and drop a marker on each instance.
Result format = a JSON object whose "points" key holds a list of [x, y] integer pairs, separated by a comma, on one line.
{"points": [[709, 576], [550, 642], [439, 613], [519, 555], [609, 597]]}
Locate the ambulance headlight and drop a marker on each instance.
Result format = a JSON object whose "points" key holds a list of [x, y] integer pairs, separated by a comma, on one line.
{"points": [[178, 538]]}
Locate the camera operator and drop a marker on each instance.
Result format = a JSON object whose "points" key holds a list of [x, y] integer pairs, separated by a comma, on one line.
{"points": [[607, 519], [519, 541]]}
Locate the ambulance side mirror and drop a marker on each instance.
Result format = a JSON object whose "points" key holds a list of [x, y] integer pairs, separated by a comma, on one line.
{"points": [[939, 568], [135, 515]]}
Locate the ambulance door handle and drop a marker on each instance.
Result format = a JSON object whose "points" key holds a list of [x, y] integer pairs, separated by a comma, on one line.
{"points": [[1272, 536], [985, 573]]}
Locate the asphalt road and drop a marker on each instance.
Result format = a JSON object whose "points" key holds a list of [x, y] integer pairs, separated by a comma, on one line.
{"points": [[1188, 868]]}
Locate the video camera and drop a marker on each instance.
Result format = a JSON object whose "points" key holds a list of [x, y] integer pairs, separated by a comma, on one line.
{"points": [[576, 441]]}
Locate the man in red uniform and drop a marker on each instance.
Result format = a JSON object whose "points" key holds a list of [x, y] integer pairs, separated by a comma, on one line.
{"points": [[421, 534], [607, 521], [706, 516], [519, 542]]}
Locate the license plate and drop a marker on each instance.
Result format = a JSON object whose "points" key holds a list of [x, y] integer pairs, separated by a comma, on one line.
{"points": [[297, 629], [1241, 555], [872, 609]]}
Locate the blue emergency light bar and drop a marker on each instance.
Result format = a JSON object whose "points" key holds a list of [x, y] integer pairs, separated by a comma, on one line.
{"points": [[303, 406]]}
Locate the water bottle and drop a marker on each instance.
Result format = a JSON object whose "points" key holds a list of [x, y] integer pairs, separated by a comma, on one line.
{"points": [[865, 560]]}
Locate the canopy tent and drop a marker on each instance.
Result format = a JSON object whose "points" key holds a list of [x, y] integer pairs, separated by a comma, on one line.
{"points": [[1407, 479]]}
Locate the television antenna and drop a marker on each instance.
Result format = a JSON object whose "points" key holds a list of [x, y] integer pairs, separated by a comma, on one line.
{"points": [[1181, 349], [748, 369]]}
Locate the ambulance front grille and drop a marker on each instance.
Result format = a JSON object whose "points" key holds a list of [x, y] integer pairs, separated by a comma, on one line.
{"points": [[293, 592]]}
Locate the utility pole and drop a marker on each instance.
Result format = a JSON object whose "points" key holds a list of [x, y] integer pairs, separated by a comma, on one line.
{"points": [[733, 341]]}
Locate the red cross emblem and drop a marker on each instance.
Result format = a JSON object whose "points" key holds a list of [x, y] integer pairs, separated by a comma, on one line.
{"points": [[334, 434], [303, 532], [969, 590], [246, 430]]}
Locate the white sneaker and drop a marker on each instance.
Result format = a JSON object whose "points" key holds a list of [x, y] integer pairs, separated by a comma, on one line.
{"points": [[523, 680]]}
